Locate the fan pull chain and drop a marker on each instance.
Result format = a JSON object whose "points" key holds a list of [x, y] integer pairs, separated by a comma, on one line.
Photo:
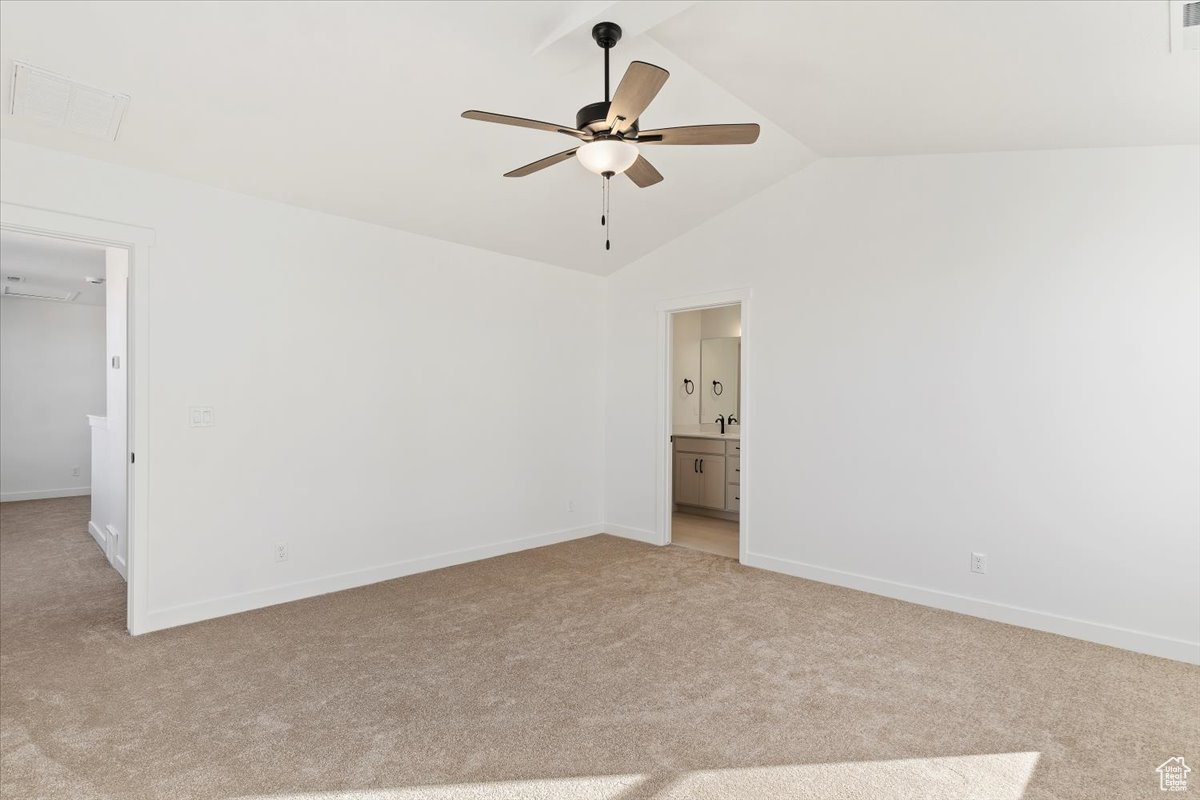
{"points": [[603, 202], [606, 218]]}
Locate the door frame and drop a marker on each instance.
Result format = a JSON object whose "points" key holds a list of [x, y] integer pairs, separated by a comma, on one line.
{"points": [[664, 450], [137, 241]]}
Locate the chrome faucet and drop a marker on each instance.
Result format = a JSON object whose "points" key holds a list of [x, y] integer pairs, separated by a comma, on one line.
{"points": [[721, 422]]}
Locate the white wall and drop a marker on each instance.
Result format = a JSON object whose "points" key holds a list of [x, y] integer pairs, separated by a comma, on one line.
{"points": [[51, 378], [685, 363], [992, 352], [995, 352], [721, 322], [383, 401], [688, 329], [110, 489]]}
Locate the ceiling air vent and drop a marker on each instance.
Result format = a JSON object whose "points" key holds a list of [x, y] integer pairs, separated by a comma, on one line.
{"points": [[40, 293], [56, 100], [1185, 25]]}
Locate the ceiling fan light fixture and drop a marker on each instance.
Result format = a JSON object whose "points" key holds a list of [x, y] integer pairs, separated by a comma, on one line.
{"points": [[602, 127], [612, 156]]}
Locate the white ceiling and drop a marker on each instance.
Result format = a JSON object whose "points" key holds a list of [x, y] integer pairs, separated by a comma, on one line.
{"points": [[353, 108], [52, 263], [874, 77]]}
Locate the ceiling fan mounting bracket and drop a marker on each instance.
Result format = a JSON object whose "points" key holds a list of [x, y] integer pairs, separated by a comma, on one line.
{"points": [[606, 34]]}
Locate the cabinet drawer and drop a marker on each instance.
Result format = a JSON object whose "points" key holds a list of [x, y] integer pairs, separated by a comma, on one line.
{"points": [[733, 469], [715, 447], [733, 447], [733, 502]]}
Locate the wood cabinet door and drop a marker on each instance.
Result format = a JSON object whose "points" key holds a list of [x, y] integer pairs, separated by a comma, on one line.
{"points": [[687, 479], [712, 482]]}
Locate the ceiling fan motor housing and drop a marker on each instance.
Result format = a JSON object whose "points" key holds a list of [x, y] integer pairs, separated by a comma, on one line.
{"points": [[594, 118]]}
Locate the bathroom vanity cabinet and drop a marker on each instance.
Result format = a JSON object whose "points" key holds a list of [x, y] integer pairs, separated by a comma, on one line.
{"points": [[707, 473]]}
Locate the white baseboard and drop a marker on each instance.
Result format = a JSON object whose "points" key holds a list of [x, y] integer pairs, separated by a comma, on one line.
{"points": [[1138, 641], [45, 494], [96, 533], [113, 550], [649, 537], [122, 570], [248, 601]]}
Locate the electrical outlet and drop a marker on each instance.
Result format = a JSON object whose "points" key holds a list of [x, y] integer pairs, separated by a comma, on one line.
{"points": [[200, 416], [281, 551], [75, 471], [979, 563], [571, 506]]}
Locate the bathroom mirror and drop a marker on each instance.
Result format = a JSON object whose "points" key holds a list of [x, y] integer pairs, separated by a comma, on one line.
{"points": [[719, 369]]}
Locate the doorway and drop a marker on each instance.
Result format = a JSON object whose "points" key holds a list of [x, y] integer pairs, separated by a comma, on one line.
{"points": [[702, 499], [116, 437], [63, 360]]}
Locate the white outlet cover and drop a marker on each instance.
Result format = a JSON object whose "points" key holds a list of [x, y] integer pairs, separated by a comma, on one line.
{"points": [[201, 416]]}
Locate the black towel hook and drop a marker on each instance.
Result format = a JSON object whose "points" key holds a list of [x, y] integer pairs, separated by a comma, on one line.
{"points": [[718, 389], [688, 386]]}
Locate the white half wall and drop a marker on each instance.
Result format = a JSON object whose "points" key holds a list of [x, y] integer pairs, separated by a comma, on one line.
{"points": [[382, 401], [51, 378], [995, 353]]}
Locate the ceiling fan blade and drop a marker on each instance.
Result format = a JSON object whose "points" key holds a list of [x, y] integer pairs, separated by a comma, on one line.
{"points": [[521, 122], [643, 173], [746, 133], [548, 161], [639, 86]]}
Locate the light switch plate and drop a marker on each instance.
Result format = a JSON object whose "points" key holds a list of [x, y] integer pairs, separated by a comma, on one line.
{"points": [[200, 416]]}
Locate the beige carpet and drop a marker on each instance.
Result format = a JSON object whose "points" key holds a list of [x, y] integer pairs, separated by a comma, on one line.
{"points": [[600, 668]]}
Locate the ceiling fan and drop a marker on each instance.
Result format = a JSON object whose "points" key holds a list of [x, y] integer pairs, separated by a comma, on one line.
{"points": [[609, 130]]}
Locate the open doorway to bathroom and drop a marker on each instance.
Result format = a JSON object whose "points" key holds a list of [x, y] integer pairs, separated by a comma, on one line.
{"points": [[64, 443], [706, 415]]}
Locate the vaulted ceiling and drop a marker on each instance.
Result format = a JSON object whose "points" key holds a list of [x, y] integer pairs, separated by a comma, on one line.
{"points": [[353, 108]]}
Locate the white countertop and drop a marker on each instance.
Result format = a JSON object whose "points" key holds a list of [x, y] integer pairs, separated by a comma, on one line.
{"points": [[707, 432]]}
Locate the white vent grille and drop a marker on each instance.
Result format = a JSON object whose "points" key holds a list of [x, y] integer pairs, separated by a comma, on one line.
{"points": [[56, 100], [1185, 25], [39, 293]]}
